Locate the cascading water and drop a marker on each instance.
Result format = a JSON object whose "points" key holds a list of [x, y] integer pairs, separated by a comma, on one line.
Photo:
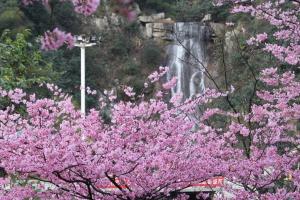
{"points": [[186, 58]]}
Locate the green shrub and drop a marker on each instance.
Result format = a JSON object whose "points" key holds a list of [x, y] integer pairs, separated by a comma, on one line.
{"points": [[151, 54], [149, 6], [132, 29], [12, 18], [131, 68], [120, 46]]}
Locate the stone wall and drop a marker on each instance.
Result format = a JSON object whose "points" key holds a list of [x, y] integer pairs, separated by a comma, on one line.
{"points": [[156, 26]]}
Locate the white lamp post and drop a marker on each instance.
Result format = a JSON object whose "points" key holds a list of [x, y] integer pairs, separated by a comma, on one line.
{"points": [[83, 42]]}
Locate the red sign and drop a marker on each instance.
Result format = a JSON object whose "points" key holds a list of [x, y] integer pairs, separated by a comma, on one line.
{"points": [[112, 186], [211, 183]]}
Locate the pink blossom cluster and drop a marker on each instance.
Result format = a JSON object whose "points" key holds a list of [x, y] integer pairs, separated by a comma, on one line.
{"points": [[15, 95], [90, 91], [156, 75], [281, 14], [86, 7], [289, 54], [55, 39], [262, 37], [129, 91], [170, 84]]}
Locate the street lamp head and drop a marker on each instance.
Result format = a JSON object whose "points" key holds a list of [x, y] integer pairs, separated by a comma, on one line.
{"points": [[78, 38], [86, 41]]}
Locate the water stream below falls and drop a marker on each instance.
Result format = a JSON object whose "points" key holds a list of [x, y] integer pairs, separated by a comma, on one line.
{"points": [[186, 57]]}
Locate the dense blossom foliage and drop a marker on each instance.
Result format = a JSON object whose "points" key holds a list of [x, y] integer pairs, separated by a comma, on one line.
{"points": [[151, 149], [55, 39], [147, 150], [272, 144], [284, 15], [86, 7]]}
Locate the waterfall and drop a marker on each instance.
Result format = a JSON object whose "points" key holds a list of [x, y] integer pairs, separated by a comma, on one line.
{"points": [[185, 56]]}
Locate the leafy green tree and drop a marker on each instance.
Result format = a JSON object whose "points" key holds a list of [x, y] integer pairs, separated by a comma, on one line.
{"points": [[21, 62]]}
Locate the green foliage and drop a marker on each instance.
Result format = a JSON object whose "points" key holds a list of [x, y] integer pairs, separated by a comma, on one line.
{"points": [[121, 46], [191, 11], [131, 68], [11, 17], [151, 54], [197, 9], [67, 63], [4, 4], [132, 29], [21, 63], [150, 6], [63, 15], [185, 10]]}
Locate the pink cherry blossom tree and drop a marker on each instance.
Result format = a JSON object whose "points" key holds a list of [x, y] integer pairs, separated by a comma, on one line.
{"points": [[147, 150], [261, 133], [282, 14], [152, 149]]}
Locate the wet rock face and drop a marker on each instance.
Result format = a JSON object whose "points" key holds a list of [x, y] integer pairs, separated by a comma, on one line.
{"points": [[187, 57]]}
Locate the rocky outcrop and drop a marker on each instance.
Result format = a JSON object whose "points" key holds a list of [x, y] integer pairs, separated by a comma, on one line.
{"points": [[159, 30], [107, 22], [156, 26], [152, 18]]}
